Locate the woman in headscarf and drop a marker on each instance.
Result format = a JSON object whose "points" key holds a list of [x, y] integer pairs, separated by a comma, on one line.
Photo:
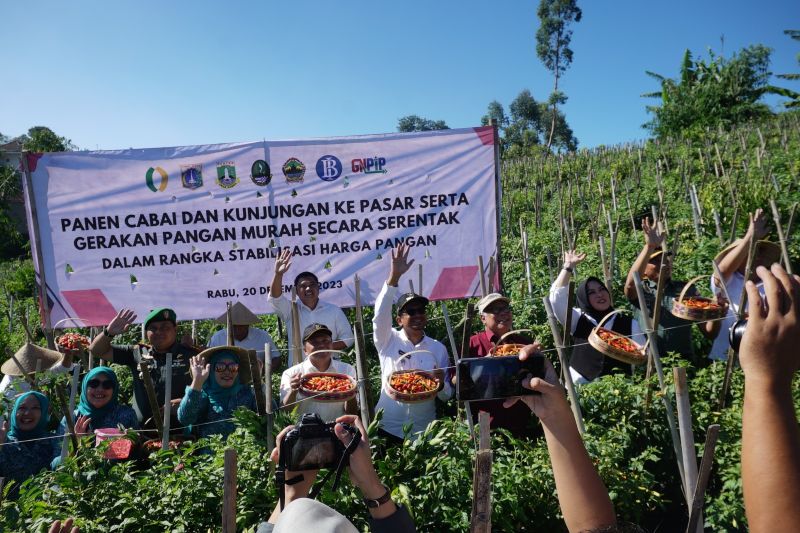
{"points": [[594, 302], [99, 407], [218, 388], [26, 447]]}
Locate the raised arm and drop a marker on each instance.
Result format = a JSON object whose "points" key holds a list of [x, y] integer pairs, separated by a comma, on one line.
{"points": [[101, 345], [737, 257], [558, 292], [582, 496], [770, 434], [653, 240], [382, 319], [282, 264]]}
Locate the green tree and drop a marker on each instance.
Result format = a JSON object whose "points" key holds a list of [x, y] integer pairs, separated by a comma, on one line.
{"points": [[716, 92], [43, 139], [552, 46], [794, 97], [417, 123]]}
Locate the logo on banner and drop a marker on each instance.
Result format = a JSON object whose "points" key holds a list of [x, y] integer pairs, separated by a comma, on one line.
{"points": [[329, 168], [148, 178], [294, 170], [226, 174], [260, 173], [369, 165], [192, 176]]}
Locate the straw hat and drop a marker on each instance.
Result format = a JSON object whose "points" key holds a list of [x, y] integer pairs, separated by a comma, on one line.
{"points": [[240, 316], [245, 378], [28, 355], [770, 250]]}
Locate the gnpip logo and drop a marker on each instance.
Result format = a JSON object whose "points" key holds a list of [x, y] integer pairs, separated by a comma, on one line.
{"points": [[369, 165], [150, 181], [329, 168]]}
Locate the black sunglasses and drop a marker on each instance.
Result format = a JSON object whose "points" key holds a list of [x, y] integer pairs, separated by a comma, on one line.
{"points": [[96, 383], [414, 311]]}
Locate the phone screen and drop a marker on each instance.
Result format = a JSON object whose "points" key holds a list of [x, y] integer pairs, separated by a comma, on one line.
{"points": [[490, 378]]}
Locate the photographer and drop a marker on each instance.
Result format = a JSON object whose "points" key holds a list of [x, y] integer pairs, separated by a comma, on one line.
{"points": [[582, 496], [303, 514], [770, 436]]}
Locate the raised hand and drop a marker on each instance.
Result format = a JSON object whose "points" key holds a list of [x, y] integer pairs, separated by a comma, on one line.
{"points": [[400, 262], [200, 371], [66, 527], [121, 322], [283, 262], [758, 225], [652, 237], [572, 258], [82, 425], [294, 383]]}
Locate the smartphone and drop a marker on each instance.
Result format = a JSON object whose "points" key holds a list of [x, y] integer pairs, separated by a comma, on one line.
{"points": [[493, 378]]}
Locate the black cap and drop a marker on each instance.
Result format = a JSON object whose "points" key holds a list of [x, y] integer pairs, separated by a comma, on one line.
{"points": [[313, 329], [407, 298]]}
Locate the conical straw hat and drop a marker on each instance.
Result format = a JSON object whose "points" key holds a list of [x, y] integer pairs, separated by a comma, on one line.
{"points": [[27, 356], [770, 250], [240, 316]]}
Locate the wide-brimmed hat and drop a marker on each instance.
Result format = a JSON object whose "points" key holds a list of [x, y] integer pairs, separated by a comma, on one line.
{"points": [[240, 316], [245, 378], [770, 249], [28, 355]]}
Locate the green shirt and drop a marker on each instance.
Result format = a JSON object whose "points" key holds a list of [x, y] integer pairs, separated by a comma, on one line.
{"points": [[674, 333]]}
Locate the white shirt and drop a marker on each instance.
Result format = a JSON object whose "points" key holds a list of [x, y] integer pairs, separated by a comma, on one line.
{"points": [[391, 345], [324, 313], [734, 284], [255, 340], [11, 386], [328, 411]]}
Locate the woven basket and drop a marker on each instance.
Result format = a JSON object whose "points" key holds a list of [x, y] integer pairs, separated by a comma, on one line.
{"points": [[615, 353], [410, 397], [510, 346], [64, 350], [319, 396], [682, 309]]}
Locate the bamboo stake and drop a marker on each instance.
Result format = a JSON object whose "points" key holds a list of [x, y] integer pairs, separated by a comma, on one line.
{"points": [[483, 277], [73, 393], [62, 398], [665, 396], [258, 384], [268, 396], [362, 373], [490, 278], [469, 313], [482, 481], [420, 278], [229, 325], [151, 396], [297, 356], [562, 357], [229, 492], [604, 261], [696, 508], [167, 402], [776, 216], [456, 357], [527, 261], [717, 224], [687, 437]]}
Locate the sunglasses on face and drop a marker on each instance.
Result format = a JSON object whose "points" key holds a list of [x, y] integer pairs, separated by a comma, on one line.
{"points": [[414, 312], [499, 311], [97, 384], [222, 367], [308, 285]]}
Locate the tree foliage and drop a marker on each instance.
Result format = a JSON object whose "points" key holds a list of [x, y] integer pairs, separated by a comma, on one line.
{"points": [[794, 98], [713, 92], [552, 46], [417, 123]]}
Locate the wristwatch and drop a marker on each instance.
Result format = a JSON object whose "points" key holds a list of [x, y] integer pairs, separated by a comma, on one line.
{"points": [[373, 503], [568, 269], [107, 334]]}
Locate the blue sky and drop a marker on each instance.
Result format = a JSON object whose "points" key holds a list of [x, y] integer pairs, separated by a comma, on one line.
{"points": [[154, 73]]}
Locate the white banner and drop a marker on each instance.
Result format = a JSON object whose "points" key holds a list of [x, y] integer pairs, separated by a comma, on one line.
{"points": [[194, 227]]}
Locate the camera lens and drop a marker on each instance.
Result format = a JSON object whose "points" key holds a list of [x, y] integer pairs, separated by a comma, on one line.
{"points": [[736, 333]]}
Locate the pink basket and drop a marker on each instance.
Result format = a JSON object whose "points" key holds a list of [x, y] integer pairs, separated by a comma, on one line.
{"points": [[106, 433]]}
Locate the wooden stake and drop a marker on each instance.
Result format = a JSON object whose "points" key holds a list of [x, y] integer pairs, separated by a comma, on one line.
{"points": [[562, 357], [696, 508], [482, 481], [73, 393], [229, 325], [483, 276], [268, 397], [604, 261], [469, 314], [419, 285], [152, 399], [297, 356], [687, 437], [490, 277], [527, 261], [167, 402], [62, 399], [258, 385], [362, 374], [229, 492], [717, 224], [776, 217]]}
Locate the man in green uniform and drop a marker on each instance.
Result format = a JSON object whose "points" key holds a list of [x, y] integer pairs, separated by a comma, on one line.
{"points": [[160, 326]]}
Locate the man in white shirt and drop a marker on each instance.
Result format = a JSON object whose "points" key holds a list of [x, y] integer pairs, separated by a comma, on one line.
{"points": [[393, 344], [316, 343], [246, 336], [52, 362], [310, 308]]}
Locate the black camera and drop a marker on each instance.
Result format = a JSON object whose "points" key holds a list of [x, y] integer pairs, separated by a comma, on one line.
{"points": [[312, 444], [736, 333]]}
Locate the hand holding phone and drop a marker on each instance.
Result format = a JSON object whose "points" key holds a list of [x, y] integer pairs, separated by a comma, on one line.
{"points": [[490, 378]]}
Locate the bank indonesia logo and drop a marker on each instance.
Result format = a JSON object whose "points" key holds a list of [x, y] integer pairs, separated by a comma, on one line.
{"points": [[192, 176], [329, 168]]}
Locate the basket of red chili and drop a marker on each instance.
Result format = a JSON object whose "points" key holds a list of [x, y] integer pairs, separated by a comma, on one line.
{"points": [[697, 308], [328, 386], [614, 345]]}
